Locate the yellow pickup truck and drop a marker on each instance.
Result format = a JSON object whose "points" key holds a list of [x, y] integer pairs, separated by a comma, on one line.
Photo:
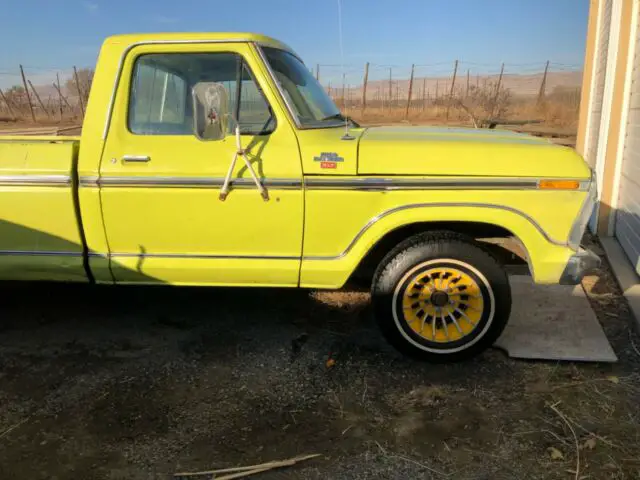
{"points": [[217, 159]]}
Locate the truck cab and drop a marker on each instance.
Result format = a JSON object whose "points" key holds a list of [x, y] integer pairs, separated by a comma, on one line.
{"points": [[218, 159]]}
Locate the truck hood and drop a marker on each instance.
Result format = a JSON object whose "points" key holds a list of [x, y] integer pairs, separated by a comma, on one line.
{"points": [[441, 151]]}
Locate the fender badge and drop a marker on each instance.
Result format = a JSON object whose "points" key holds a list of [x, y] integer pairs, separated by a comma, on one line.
{"points": [[328, 159]]}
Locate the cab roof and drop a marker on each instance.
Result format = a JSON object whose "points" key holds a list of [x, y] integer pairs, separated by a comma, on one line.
{"points": [[132, 38]]}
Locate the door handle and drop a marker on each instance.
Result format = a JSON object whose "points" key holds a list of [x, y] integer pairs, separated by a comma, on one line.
{"points": [[136, 158]]}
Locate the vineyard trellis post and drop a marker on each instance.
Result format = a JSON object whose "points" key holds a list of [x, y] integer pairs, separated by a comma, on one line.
{"points": [[453, 85], [62, 97], [466, 95], [543, 84], [390, 92], [6, 102], [497, 94], [75, 75], [35, 93], [26, 92], [406, 113], [364, 87], [59, 94]]}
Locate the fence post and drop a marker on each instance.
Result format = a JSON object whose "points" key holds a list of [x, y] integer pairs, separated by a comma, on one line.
{"points": [[495, 98], [406, 112], [75, 75], [26, 92], [38, 98], [543, 84], [453, 84], [364, 87], [6, 101]]}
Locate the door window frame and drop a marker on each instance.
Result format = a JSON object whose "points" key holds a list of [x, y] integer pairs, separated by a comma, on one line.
{"points": [[131, 71]]}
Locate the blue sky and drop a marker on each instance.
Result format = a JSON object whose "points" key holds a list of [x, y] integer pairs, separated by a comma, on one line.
{"points": [[46, 36]]}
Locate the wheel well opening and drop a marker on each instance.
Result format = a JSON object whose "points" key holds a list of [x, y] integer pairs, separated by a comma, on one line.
{"points": [[502, 243]]}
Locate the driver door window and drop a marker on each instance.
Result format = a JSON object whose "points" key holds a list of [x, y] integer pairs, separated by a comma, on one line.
{"points": [[160, 100]]}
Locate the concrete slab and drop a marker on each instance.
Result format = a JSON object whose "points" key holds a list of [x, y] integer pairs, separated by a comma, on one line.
{"points": [[553, 322], [625, 275]]}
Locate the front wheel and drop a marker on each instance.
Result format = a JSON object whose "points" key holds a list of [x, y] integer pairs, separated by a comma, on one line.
{"points": [[441, 297]]}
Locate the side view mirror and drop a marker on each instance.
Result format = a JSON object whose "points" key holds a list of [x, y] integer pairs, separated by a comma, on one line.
{"points": [[210, 110]]}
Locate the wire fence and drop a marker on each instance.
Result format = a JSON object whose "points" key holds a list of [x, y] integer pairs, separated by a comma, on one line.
{"points": [[460, 88], [393, 83], [43, 95]]}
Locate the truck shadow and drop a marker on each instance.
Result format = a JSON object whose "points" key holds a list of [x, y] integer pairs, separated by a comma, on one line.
{"points": [[96, 316]]}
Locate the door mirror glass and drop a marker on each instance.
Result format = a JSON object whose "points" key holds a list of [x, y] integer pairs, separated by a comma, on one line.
{"points": [[210, 110]]}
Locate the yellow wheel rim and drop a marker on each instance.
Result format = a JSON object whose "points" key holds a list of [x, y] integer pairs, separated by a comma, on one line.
{"points": [[443, 304]]}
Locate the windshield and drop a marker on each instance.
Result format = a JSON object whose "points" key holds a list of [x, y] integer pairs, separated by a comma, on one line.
{"points": [[309, 101]]}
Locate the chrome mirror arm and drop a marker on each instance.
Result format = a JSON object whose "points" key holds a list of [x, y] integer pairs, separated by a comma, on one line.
{"points": [[241, 152]]}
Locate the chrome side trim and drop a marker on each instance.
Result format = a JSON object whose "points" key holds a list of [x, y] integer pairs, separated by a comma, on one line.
{"points": [[203, 256], [386, 213], [88, 181], [185, 182], [319, 183], [377, 184], [40, 253], [152, 42], [36, 180]]}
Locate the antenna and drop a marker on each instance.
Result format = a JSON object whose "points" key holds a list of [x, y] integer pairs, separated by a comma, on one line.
{"points": [[346, 135]]}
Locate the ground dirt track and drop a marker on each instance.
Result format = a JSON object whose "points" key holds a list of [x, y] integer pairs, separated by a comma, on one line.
{"points": [[139, 383]]}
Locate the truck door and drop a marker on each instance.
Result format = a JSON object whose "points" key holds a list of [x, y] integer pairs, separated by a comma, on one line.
{"points": [[160, 183]]}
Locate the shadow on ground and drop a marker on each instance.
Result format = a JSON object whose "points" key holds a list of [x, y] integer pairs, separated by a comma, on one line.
{"points": [[141, 382]]}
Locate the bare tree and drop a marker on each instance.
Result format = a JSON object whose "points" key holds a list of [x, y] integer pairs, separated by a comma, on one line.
{"points": [[85, 77], [483, 105]]}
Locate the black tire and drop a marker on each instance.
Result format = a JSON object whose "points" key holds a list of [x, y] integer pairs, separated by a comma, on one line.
{"points": [[398, 287]]}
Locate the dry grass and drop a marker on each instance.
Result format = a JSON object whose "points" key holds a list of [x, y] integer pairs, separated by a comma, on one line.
{"points": [[558, 109]]}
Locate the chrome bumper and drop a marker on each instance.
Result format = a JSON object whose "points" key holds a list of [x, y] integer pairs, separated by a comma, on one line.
{"points": [[579, 265]]}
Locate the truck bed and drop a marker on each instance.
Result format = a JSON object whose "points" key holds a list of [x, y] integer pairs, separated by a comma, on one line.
{"points": [[39, 223]]}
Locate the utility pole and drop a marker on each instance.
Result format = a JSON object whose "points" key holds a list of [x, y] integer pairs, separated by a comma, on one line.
{"points": [[26, 92], [317, 71], [406, 113]]}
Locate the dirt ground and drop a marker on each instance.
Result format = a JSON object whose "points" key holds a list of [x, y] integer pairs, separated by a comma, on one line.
{"points": [[141, 383]]}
